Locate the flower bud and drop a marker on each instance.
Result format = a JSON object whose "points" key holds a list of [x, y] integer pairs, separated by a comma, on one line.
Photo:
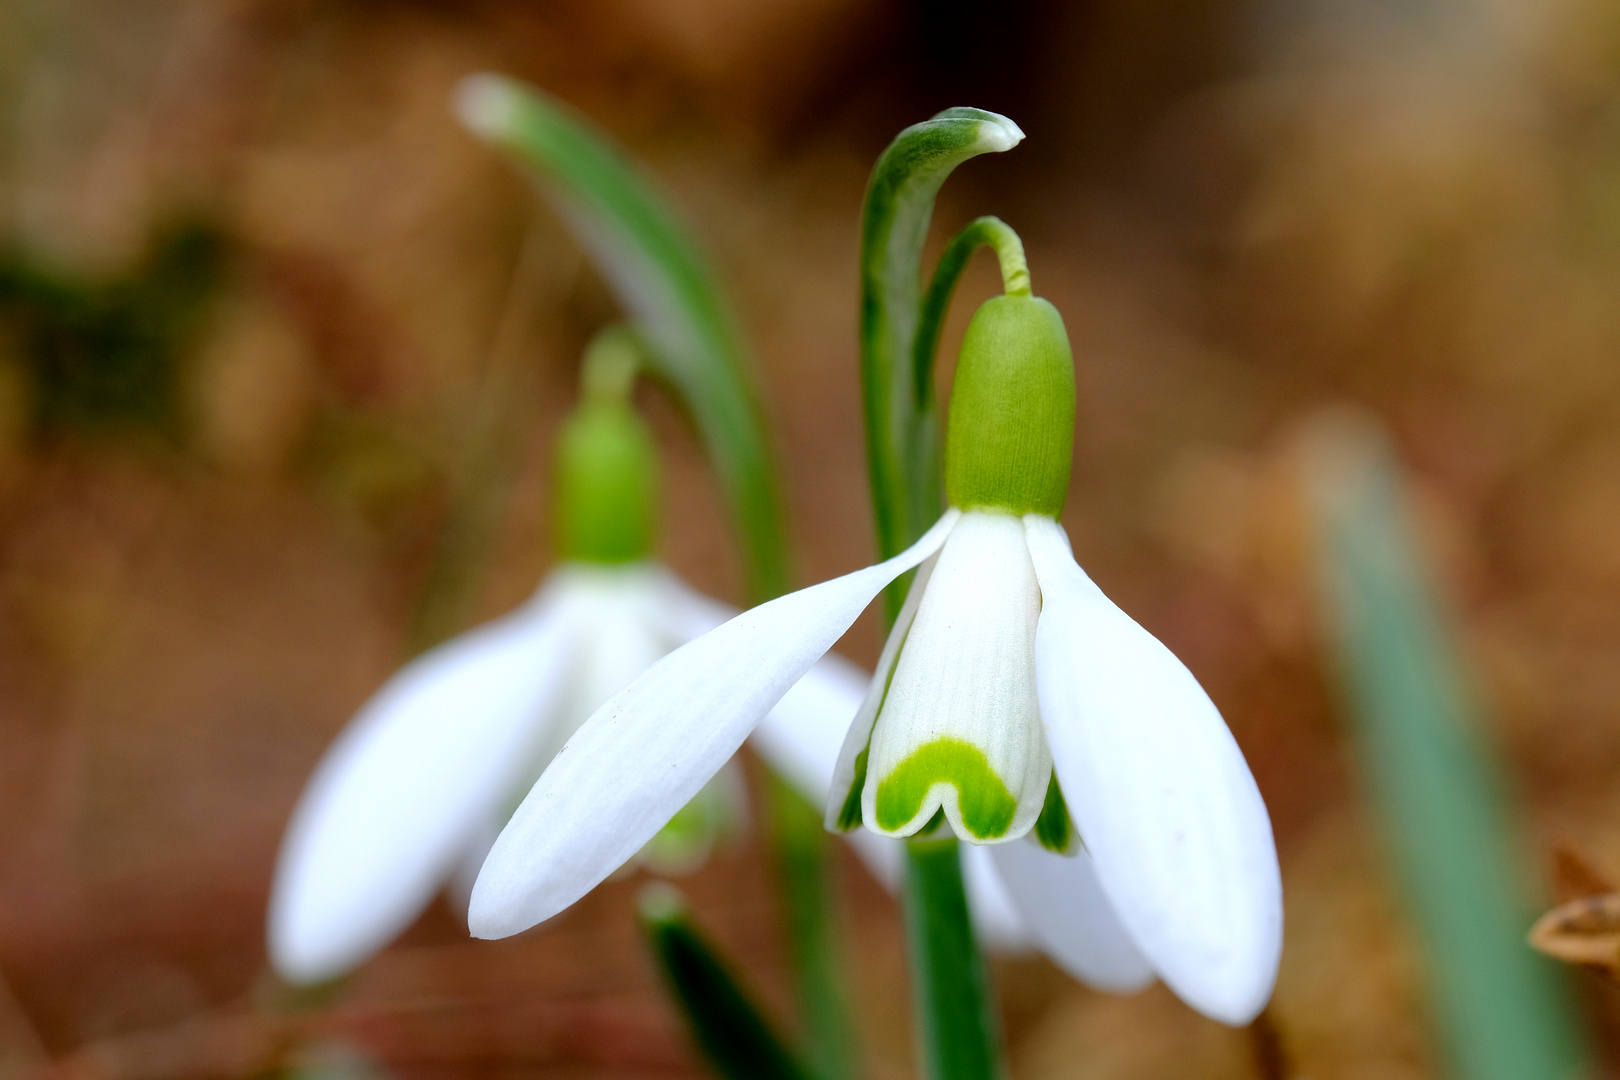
{"points": [[606, 484], [1009, 442]]}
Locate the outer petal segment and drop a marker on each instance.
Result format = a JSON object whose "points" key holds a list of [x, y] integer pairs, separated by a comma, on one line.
{"points": [[800, 737], [1161, 794], [1063, 903], [405, 789], [651, 747]]}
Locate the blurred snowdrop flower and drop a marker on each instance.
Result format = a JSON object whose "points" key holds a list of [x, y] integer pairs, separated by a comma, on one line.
{"points": [[1012, 700], [414, 790]]}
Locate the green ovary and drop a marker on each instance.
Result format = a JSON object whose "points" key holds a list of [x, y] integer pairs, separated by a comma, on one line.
{"points": [[987, 807]]}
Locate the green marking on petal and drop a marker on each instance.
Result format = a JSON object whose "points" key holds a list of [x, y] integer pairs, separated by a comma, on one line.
{"points": [[1053, 828], [986, 805], [930, 830], [850, 815]]}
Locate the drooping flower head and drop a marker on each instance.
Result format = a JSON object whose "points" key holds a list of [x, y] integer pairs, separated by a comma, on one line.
{"points": [[1013, 704], [414, 790]]}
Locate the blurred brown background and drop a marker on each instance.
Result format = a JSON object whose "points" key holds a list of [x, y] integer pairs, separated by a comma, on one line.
{"points": [[314, 290]]}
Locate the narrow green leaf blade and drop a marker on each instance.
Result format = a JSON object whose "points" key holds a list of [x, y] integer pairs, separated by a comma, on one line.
{"points": [[664, 282], [735, 1037], [1502, 1011]]}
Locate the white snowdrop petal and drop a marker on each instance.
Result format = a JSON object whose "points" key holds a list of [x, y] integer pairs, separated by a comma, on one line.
{"points": [[638, 760], [959, 728], [858, 733], [883, 856], [685, 613], [800, 737], [405, 789], [1160, 792], [997, 919], [801, 740], [619, 630], [1069, 916]]}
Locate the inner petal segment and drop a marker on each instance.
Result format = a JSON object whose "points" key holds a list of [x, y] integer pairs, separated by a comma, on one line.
{"points": [[959, 729]]}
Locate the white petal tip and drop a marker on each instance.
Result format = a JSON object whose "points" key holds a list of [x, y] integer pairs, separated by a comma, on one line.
{"points": [[495, 912], [1000, 134], [488, 920], [487, 927], [1234, 993], [486, 103], [298, 960], [1235, 1007]]}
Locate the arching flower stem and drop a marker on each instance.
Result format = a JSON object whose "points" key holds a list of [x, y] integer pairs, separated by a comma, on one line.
{"points": [[988, 231]]}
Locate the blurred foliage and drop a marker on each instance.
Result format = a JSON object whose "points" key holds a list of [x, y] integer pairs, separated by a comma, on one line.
{"points": [[733, 1033], [106, 356], [1244, 209], [1502, 1011], [361, 461]]}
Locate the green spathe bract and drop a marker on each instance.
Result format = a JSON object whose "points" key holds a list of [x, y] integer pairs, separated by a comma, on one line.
{"points": [[1010, 440], [987, 806], [606, 485]]}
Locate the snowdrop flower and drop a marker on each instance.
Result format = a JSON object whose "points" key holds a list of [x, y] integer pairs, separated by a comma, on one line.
{"points": [[1013, 700], [801, 738], [1021, 899], [413, 792]]}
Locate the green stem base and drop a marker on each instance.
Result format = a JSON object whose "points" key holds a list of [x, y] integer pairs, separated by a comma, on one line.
{"points": [[959, 1032]]}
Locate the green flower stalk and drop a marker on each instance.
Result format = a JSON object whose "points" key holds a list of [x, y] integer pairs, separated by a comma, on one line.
{"points": [[662, 279]]}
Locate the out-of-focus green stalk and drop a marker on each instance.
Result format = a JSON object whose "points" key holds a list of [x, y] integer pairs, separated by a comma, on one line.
{"points": [[951, 990], [804, 874], [949, 987], [1502, 1012], [661, 277], [730, 1030]]}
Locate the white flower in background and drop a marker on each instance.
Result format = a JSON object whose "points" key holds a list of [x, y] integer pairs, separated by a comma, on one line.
{"points": [[1013, 700], [413, 792]]}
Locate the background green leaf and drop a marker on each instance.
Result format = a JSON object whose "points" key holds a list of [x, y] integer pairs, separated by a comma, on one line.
{"points": [[1502, 1011], [663, 281]]}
